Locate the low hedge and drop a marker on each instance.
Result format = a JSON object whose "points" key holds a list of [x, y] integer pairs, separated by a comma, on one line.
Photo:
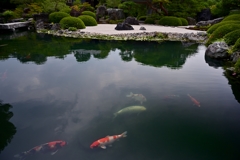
{"points": [[184, 21], [88, 20], [89, 13], [236, 45], [170, 21], [215, 26], [232, 37], [149, 20], [220, 32], [56, 17], [72, 22], [232, 17]]}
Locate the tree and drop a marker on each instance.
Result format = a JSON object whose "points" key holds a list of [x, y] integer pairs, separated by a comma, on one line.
{"points": [[153, 4], [53, 5]]}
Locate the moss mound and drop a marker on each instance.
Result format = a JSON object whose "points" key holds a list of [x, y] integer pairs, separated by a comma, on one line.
{"points": [[170, 21], [72, 22], [184, 21], [232, 17], [88, 20], [236, 45], [215, 26], [56, 17], [222, 31], [66, 10], [232, 37], [149, 20], [89, 13]]}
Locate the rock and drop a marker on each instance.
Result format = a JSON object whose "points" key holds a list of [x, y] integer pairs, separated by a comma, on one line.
{"points": [[142, 28], [101, 12], [204, 15], [115, 14], [235, 56], [26, 10], [75, 13], [217, 50], [124, 26], [39, 25], [191, 21], [210, 22], [42, 16], [131, 20], [55, 27]]}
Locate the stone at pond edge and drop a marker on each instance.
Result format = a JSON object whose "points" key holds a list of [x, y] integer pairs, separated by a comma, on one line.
{"points": [[235, 56], [217, 50], [124, 26]]}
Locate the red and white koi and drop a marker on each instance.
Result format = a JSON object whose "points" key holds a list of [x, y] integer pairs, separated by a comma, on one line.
{"points": [[51, 147], [194, 101], [108, 140]]}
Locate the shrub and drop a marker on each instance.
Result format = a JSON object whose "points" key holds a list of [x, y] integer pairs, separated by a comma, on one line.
{"points": [[215, 26], [170, 21], [232, 37], [237, 66], [50, 6], [234, 12], [67, 22], [8, 15], [184, 21], [222, 31], [236, 45], [72, 28], [142, 18], [56, 17], [232, 17], [149, 20], [86, 7], [66, 10], [89, 13], [88, 20]]}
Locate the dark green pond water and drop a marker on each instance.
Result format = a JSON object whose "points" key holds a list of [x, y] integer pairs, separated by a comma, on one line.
{"points": [[69, 89]]}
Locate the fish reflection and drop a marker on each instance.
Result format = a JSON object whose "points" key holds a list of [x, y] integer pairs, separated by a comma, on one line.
{"points": [[108, 140], [130, 110], [137, 97], [194, 101], [50, 147]]}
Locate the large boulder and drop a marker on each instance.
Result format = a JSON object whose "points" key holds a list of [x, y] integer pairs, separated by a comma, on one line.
{"points": [[131, 20], [124, 26], [191, 21], [235, 56], [115, 14], [101, 12], [204, 15], [209, 22], [217, 50]]}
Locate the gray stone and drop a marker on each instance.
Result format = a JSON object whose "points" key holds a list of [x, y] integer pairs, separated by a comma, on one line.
{"points": [[209, 22], [217, 50], [191, 21], [124, 26], [131, 20], [142, 28], [101, 12], [55, 26], [39, 25], [115, 14], [204, 15], [235, 56]]}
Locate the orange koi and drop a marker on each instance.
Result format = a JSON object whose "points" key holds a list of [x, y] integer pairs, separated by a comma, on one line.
{"points": [[108, 140], [194, 101]]}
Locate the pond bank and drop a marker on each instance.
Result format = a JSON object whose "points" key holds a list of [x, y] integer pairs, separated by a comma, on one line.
{"points": [[152, 33]]}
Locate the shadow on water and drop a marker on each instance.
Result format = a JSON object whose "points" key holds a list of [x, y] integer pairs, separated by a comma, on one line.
{"points": [[7, 128]]}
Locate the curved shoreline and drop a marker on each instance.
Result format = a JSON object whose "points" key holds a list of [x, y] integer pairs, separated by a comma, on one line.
{"points": [[152, 33]]}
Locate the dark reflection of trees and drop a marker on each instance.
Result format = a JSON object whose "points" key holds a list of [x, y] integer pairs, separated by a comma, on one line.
{"points": [[82, 57], [7, 129], [234, 83]]}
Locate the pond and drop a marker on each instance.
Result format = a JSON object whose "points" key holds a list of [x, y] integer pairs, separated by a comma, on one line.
{"points": [[69, 89]]}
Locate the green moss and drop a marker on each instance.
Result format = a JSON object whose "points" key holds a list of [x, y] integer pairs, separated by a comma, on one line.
{"points": [[232, 37], [170, 21], [236, 45], [66, 10], [220, 32], [72, 28], [232, 17], [56, 17], [184, 21], [88, 20], [72, 22], [215, 26], [89, 13]]}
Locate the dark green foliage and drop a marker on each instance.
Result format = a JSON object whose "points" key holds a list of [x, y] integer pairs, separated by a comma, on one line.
{"points": [[89, 13], [56, 17], [66, 10], [215, 26], [142, 18], [170, 21], [234, 12], [237, 46], [88, 20], [237, 64], [72, 28], [184, 21], [115, 21], [232, 17], [222, 31], [149, 20], [72, 22], [130, 8], [232, 37]]}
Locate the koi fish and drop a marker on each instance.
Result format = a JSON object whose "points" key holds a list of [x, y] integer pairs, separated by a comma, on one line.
{"points": [[108, 140], [194, 101], [51, 147], [130, 109], [137, 97]]}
